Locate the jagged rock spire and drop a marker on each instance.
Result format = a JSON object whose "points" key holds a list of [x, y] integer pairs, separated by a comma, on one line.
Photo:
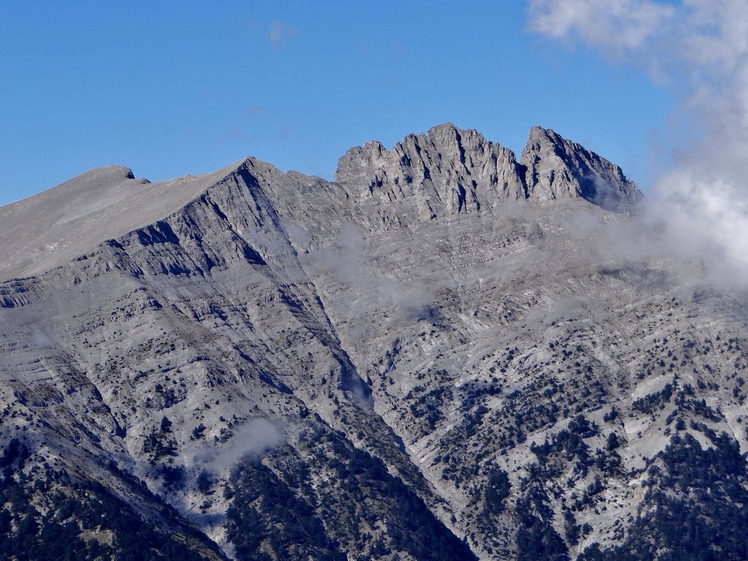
{"points": [[558, 169], [449, 171]]}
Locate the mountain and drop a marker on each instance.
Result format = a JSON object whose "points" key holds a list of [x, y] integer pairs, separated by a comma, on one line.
{"points": [[445, 353]]}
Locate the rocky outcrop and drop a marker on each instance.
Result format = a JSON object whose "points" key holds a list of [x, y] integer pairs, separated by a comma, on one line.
{"points": [[443, 172], [450, 171], [556, 168]]}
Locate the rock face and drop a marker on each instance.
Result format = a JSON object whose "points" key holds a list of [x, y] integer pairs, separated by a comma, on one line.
{"points": [[450, 171], [558, 169], [54, 227], [444, 354], [444, 172]]}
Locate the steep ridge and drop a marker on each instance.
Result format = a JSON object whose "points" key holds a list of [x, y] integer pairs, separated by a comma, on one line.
{"points": [[161, 327], [557, 168], [309, 369], [443, 172], [53, 227]]}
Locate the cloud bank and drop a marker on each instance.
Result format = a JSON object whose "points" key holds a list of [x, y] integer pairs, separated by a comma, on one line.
{"points": [[698, 49]]}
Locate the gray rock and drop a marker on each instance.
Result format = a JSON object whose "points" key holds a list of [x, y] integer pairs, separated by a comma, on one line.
{"points": [[444, 172], [560, 169], [429, 318], [53, 227], [448, 171]]}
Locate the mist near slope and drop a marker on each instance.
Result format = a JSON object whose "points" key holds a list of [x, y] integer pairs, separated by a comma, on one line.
{"points": [[697, 209], [253, 438], [349, 261], [249, 440]]}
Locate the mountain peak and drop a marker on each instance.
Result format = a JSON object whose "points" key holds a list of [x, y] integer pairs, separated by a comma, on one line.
{"points": [[192, 351], [538, 133], [111, 171], [443, 172], [557, 168], [449, 170]]}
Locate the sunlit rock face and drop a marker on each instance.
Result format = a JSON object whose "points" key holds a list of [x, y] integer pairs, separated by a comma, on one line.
{"points": [[443, 354]]}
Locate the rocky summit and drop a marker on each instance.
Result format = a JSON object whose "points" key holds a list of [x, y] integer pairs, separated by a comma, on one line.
{"points": [[446, 353]]}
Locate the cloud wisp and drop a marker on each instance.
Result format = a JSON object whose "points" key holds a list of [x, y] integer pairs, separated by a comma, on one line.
{"points": [[351, 264], [698, 49], [253, 438], [617, 25], [279, 34]]}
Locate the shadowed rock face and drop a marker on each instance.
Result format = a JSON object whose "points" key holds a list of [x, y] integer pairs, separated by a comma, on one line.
{"points": [[444, 172], [425, 359]]}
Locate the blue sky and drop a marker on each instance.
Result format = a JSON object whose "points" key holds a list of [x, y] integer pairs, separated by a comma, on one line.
{"points": [[193, 87]]}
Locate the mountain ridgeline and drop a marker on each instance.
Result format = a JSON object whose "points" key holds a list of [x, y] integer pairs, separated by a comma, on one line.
{"points": [[449, 171], [445, 353]]}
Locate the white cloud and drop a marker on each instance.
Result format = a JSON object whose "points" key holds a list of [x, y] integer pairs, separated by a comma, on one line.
{"points": [[701, 42], [699, 48], [253, 438], [279, 34], [614, 24]]}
